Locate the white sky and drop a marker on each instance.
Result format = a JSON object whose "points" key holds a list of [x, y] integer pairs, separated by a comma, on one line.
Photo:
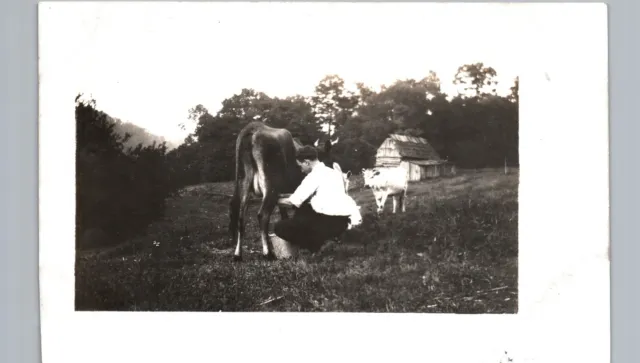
{"points": [[149, 63]]}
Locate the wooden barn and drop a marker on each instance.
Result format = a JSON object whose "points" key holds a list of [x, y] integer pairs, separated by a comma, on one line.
{"points": [[415, 155]]}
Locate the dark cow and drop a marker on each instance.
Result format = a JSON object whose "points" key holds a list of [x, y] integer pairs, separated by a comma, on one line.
{"points": [[266, 167], [324, 155]]}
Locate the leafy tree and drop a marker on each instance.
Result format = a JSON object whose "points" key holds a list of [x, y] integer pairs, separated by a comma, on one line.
{"points": [[515, 91], [332, 103], [473, 129], [477, 79]]}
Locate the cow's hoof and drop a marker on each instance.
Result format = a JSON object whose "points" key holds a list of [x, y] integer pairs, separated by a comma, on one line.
{"points": [[237, 258]]}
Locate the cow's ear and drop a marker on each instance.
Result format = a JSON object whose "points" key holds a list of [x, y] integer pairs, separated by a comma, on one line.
{"points": [[316, 143]]}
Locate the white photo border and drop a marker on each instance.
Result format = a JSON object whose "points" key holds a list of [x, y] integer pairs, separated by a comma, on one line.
{"points": [[563, 230]]}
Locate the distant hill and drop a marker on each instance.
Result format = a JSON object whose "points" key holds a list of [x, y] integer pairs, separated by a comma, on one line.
{"points": [[139, 135]]}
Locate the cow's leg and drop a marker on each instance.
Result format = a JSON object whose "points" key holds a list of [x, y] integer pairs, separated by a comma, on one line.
{"points": [[377, 195], [269, 202], [394, 203], [383, 200], [244, 196], [403, 199], [264, 217]]}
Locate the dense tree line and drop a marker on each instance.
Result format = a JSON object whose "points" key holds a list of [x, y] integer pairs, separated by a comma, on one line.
{"points": [[119, 189], [474, 129], [122, 183]]}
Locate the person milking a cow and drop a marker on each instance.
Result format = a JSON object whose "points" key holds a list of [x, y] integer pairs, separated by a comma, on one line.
{"points": [[323, 209]]}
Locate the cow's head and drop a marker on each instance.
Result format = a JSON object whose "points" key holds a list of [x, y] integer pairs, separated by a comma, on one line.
{"points": [[345, 177], [324, 151], [368, 175]]}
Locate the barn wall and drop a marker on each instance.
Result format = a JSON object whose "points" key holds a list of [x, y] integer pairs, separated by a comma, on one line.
{"points": [[417, 172], [432, 171], [414, 171], [407, 167], [421, 172], [387, 161]]}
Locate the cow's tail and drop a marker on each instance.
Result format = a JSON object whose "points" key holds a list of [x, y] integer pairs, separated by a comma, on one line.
{"points": [[234, 206]]}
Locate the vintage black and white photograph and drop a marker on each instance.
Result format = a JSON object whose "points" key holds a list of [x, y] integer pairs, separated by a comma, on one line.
{"points": [[404, 181], [295, 161]]}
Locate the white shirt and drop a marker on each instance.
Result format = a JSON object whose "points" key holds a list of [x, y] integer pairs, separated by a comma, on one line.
{"points": [[325, 187]]}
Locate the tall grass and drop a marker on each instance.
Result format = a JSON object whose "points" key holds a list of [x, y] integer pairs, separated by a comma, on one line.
{"points": [[455, 250]]}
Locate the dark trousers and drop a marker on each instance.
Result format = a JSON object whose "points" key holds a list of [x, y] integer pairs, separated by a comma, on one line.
{"points": [[309, 229]]}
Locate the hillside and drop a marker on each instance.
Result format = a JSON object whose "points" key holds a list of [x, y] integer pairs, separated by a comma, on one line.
{"points": [[139, 135], [455, 250]]}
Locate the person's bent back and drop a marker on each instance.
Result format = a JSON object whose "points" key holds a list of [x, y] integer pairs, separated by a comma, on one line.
{"points": [[323, 209]]}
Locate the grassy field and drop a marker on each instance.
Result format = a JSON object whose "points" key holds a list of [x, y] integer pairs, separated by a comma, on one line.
{"points": [[455, 250]]}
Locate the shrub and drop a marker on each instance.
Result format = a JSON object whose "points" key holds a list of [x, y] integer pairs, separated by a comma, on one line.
{"points": [[118, 191]]}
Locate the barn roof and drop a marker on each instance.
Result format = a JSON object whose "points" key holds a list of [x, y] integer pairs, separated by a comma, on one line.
{"points": [[414, 147]]}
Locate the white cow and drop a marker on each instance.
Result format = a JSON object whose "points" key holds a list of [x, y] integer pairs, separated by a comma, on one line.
{"points": [[345, 176], [385, 182]]}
